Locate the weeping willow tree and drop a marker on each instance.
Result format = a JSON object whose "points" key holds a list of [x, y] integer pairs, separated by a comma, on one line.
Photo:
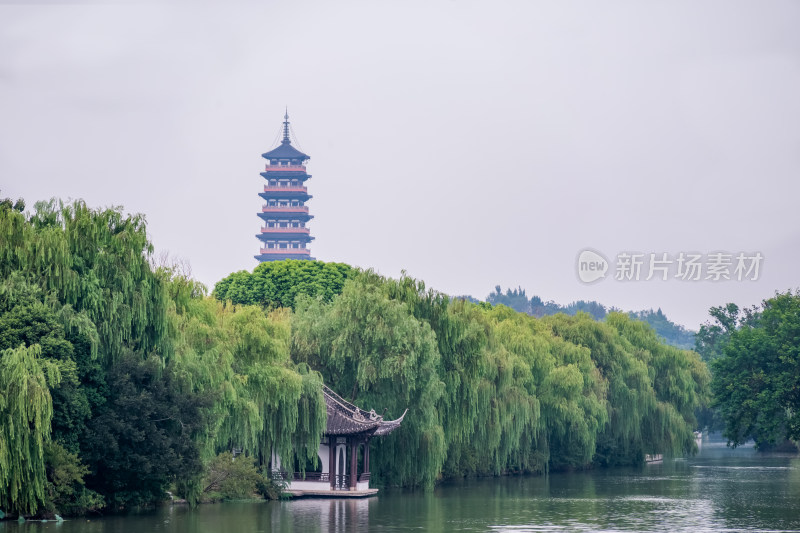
{"points": [[462, 337], [263, 402], [96, 262], [653, 389], [513, 393], [25, 411], [489, 391], [371, 351], [564, 380], [680, 382]]}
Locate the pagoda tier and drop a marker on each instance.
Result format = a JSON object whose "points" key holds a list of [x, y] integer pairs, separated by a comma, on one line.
{"points": [[277, 212], [285, 193], [284, 234], [285, 172]]}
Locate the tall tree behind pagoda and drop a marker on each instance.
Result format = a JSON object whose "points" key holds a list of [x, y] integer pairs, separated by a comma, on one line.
{"points": [[278, 283]]}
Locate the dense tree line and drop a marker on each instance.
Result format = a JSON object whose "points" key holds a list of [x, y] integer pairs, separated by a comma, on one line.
{"points": [[119, 380], [672, 333], [129, 380], [755, 358]]}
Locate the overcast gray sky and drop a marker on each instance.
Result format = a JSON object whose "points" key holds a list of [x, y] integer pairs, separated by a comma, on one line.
{"points": [[468, 143]]}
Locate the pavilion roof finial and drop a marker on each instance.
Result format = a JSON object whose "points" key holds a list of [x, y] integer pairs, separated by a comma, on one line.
{"points": [[286, 139]]}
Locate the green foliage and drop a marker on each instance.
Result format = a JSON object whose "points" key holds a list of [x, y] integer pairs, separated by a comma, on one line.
{"points": [[95, 262], [516, 299], [25, 319], [229, 478], [278, 283], [370, 349], [25, 410], [66, 493], [262, 401], [652, 389], [515, 393], [757, 376], [143, 437], [672, 333], [143, 380], [713, 336]]}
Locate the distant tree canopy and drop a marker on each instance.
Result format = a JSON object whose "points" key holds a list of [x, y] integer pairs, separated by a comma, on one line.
{"points": [[712, 338], [278, 283], [672, 333], [756, 368]]}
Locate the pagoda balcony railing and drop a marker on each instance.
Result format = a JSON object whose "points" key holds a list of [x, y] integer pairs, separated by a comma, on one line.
{"points": [[278, 188], [295, 251], [285, 168], [284, 209], [285, 230]]}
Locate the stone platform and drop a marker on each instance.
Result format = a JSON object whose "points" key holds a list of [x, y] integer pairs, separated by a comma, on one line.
{"points": [[332, 493]]}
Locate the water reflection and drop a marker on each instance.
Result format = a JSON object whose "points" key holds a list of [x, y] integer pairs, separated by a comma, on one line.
{"points": [[721, 489], [321, 515]]}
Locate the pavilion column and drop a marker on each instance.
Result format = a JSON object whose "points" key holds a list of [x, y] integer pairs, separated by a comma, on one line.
{"points": [[332, 461], [366, 456], [353, 464]]}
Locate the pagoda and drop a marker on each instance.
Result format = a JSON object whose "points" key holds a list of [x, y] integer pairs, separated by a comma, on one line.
{"points": [[284, 234]]}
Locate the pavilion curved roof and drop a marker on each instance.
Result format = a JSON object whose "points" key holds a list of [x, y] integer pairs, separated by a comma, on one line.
{"points": [[344, 418]]}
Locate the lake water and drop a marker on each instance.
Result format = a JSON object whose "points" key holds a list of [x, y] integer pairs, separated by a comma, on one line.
{"points": [[720, 489]]}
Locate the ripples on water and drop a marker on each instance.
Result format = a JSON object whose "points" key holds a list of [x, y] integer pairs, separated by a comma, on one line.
{"points": [[720, 490]]}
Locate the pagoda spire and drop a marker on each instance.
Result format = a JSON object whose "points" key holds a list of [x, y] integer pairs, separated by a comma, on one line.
{"points": [[286, 139]]}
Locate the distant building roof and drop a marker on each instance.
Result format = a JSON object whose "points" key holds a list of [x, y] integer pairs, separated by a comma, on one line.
{"points": [[345, 418]]}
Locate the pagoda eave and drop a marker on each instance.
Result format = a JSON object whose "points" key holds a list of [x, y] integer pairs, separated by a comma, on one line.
{"points": [[293, 174], [300, 237], [293, 195], [302, 217], [281, 257], [275, 215]]}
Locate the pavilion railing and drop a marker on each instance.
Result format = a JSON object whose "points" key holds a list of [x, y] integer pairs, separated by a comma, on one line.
{"points": [[341, 482], [299, 476]]}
